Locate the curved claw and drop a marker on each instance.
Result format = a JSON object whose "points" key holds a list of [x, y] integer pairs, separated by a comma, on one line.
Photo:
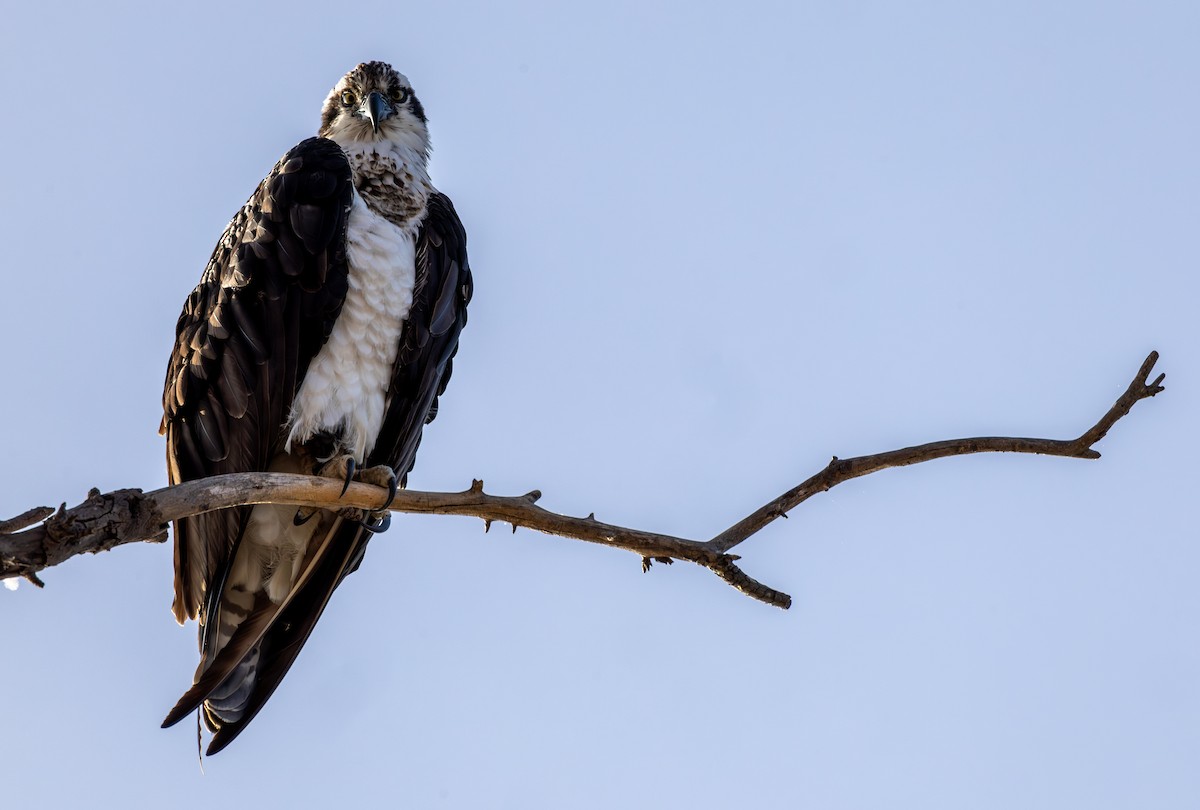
{"points": [[383, 525], [351, 468], [299, 519], [393, 488]]}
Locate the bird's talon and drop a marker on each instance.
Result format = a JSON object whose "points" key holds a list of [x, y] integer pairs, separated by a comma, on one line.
{"points": [[383, 524], [381, 475], [351, 467], [393, 488]]}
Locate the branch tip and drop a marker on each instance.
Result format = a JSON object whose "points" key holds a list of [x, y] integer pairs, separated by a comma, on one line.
{"points": [[1150, 388], [730, 573], [533, 495], [476, 486]]}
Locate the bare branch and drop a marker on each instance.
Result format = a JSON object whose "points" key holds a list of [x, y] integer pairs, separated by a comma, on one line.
{"points": [[841, 470], [107, 520]]}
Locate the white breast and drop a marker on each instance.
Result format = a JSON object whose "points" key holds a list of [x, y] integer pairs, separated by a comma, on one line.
{"points": [[346, 385]]}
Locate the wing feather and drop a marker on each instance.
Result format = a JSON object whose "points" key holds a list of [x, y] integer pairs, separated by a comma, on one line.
{"points": [[239, 355]]}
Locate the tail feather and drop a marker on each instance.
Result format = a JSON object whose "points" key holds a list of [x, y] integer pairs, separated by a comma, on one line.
{"points": [[251, 648], [227, 702], [290, 631], [243, 642]]}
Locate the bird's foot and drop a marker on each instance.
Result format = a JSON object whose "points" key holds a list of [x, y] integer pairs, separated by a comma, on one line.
{"points": [[373, 520], [340, 468], [382, 476], [378, 520]]}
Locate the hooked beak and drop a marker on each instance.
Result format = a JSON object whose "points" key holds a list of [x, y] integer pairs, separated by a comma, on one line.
{"points": [[376, 108]]}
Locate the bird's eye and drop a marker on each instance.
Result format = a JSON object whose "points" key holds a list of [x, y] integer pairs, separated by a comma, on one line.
{"points": [[398, 94], [348, 98]]}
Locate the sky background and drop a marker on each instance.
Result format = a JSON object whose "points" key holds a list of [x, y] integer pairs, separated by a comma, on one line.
{"points": [[714, 245]]}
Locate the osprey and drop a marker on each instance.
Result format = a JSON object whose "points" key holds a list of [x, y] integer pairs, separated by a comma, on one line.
{"points": [[317, 342]]}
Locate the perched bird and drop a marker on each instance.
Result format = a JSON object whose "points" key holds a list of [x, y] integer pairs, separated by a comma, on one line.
{"points": [[317, 342]]}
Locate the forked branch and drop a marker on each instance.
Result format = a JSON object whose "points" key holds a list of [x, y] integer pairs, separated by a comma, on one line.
{"points": [[130, 515]]}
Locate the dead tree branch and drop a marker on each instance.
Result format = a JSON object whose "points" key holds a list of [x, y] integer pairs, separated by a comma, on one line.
{"points": [[111, 519]]}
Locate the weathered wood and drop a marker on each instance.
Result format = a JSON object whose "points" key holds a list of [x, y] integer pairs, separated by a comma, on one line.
{"points": [[107, 520]]}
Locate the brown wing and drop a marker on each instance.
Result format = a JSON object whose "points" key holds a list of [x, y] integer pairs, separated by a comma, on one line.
{"points": [[264, 306]]}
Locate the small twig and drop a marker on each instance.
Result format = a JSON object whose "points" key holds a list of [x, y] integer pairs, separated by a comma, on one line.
{"points": [[726, 570], [127, 516], [26, 519], [1138, 390], [841, 470]]}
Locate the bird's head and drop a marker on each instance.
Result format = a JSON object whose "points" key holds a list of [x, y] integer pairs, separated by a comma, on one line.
{"points": [[371, 104]]}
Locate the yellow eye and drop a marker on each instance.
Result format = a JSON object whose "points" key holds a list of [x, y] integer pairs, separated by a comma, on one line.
{"points": [[398, 94], [348, 98]]}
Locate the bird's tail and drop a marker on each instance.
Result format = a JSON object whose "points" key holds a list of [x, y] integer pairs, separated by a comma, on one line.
{"points": [[256, 641], [227, 701]]}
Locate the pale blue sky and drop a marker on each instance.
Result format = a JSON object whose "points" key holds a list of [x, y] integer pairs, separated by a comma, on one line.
{"points": [[714, 244]]}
